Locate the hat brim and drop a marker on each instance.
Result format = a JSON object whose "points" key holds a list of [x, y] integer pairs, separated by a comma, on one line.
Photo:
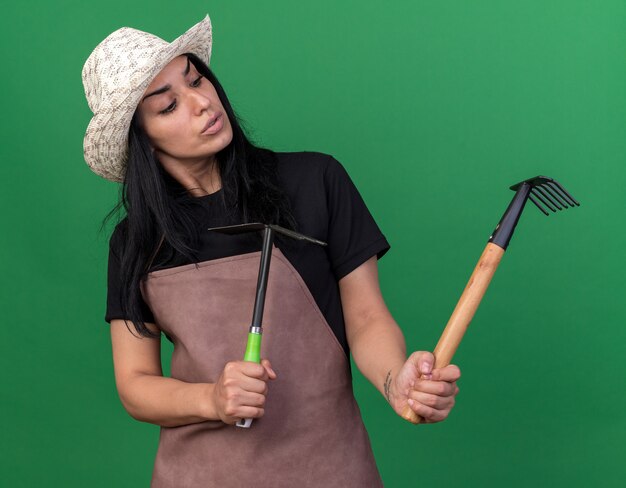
{"points": [[105, 145]]}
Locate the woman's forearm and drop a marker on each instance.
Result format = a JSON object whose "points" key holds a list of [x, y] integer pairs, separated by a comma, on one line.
{"points": [[379, 350], [167, 401]]}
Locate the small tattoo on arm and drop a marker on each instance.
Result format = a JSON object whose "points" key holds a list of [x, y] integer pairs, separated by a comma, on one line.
{"points": [[387, 385]]}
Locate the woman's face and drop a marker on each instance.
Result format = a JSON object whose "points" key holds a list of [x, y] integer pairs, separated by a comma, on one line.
{"points": [[174, 112]]}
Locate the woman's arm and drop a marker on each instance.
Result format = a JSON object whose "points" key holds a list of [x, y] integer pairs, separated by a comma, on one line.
{"points": [[148, 396], [379, 351]]}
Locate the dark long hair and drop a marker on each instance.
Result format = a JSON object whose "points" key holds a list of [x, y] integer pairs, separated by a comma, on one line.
{"points": [[157, 205]]}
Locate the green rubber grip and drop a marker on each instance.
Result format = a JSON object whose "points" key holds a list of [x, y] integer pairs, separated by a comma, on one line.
{"points": [[253, 348]]}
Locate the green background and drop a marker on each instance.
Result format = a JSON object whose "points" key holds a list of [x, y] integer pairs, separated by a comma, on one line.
{"points": [[435, 109]]}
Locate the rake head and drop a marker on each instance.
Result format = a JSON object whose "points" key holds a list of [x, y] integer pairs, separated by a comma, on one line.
{"points": [[539, 190], [549, 192]]}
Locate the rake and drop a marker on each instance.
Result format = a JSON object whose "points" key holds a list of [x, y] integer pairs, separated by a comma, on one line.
{"points": [[540, 190]]}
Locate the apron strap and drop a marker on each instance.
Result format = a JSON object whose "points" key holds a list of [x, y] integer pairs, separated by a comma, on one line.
{"points": [[154, 254]]}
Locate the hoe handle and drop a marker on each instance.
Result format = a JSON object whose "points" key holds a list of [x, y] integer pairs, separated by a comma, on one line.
{"points": [[463, 314]]}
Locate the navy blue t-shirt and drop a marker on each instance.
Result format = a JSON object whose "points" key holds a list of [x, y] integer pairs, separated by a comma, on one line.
{"points": [[326, 205]]}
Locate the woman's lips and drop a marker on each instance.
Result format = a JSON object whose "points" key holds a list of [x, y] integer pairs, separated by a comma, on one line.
{"points": [[212, 129]]}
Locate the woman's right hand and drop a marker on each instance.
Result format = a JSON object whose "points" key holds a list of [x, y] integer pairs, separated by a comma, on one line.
{"points": [[240, 391]]}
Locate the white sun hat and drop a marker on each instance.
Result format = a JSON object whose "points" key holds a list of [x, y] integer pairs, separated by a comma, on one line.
{"points": [[116, 75]]}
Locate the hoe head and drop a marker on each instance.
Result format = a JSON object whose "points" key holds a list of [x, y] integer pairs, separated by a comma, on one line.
{"points": [[256, 226]]}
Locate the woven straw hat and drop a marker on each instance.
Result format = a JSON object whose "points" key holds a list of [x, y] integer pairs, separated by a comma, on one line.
{"points": [[116, 75]]}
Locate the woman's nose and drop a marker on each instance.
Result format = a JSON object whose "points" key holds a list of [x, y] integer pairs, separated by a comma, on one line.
{"points": [[199, 100]]}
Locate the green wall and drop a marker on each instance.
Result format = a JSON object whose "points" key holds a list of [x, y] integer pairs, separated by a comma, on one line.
{"points": [[435, 109]]}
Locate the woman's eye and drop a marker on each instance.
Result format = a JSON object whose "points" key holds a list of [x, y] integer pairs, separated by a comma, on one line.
{"points": [[169, 109]]}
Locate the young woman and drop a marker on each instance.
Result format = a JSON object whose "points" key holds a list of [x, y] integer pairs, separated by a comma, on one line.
{"points": [[164, 128]]}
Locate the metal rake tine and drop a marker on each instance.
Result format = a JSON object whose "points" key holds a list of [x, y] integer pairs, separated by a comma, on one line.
{"points": [[549, 196], [532, 190], [562, 192], [559, 198], [530, 197]]}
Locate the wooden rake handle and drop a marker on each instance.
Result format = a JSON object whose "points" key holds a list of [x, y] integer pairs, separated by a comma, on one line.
{"points": [[463, 314]]}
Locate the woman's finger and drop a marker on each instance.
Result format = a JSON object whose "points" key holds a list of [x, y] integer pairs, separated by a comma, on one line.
{"points": [[252, 400], [252, 385], [439, 388], [433, 401], [268, 366], [430, 414], [255, 370], [236, 400], [448, 373], [246, 413]]}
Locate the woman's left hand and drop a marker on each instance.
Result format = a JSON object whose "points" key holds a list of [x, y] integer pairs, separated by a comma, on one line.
{"points": [[429, 392]]}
